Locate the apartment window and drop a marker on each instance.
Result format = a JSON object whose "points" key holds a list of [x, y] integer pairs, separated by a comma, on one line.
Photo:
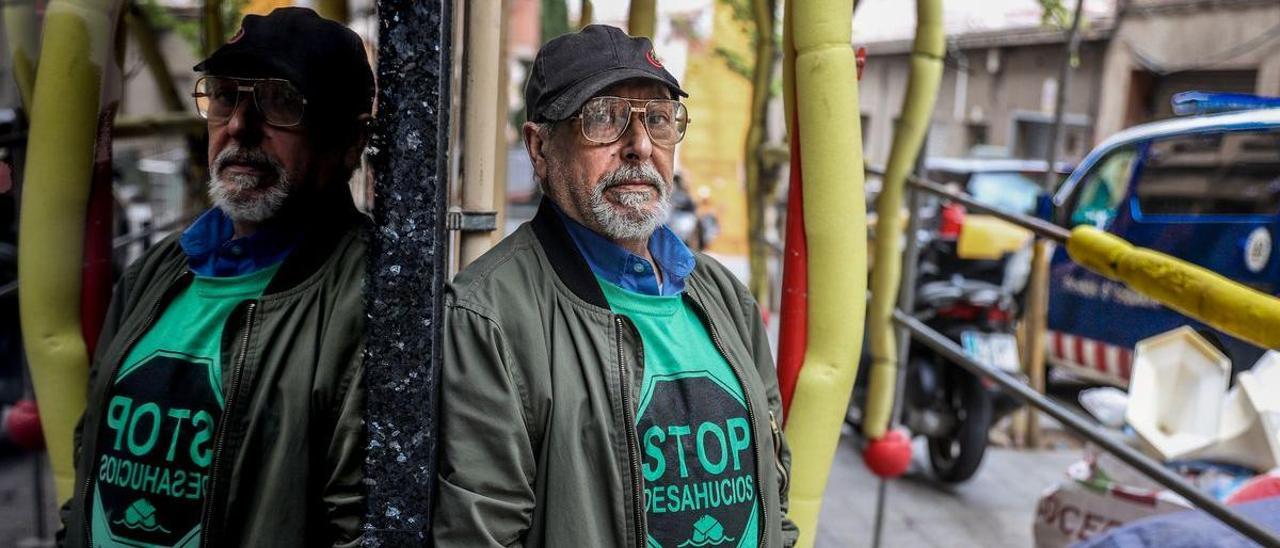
{"points": [[975, 135]]}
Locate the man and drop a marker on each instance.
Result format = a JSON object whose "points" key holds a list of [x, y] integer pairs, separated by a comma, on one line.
{"points": [[225, 400], [602, 385]]}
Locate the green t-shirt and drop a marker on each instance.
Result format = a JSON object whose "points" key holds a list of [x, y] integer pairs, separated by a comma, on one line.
{"points": [[156, 439], [695, 437]]}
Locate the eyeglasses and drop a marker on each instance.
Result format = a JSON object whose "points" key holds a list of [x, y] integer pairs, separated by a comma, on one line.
{"points": [[605, 119], [280, 103]]}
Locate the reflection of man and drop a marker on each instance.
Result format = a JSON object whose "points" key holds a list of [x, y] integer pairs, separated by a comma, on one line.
{"points": [[225, 400], [602, 385]]}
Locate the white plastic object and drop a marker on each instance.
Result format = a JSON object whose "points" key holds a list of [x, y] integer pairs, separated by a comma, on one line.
{"points": [[1249, 432], [1107, 404], [1176, 393]]}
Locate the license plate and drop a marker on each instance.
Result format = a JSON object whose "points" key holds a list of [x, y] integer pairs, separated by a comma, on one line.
{"points": [[996, 349]]}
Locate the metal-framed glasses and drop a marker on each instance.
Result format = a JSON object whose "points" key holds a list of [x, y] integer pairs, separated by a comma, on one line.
{"points": [[605, 119], [280, 103]]}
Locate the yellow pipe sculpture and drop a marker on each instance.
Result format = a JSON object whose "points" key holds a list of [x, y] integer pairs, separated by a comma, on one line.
{"points": [[337, 10], [586, 14], [642, 18], [213, 31], [823, 76], [917, 109], [78, 46], [1220, 302], [23, 37]]}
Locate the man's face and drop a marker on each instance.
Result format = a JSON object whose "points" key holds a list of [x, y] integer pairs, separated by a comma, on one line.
{"points": [[254, 167], [621, 189]]}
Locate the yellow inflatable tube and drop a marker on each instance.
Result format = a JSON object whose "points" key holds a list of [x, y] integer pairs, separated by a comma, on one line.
{"points": [[917, 110], [77, 46], [1192, 290], [826, 89], [22, 36]]}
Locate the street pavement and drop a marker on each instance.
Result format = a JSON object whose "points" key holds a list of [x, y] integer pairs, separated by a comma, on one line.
{"points": [[993, 509], [18, 523]]}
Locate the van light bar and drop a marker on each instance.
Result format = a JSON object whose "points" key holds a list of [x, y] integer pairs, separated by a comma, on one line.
{"points": [[1205, 102]]}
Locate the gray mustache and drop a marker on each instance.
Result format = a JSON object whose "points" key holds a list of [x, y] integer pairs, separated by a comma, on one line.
{"points": [[250, 156], [628, 174]]}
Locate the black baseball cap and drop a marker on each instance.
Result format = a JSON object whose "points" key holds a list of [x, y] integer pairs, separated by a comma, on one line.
{"points": [[323, 58], [574, 67]]}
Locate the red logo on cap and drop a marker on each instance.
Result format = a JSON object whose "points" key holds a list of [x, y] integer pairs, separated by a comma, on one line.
{"points": [[239, 34], [653, 59]]}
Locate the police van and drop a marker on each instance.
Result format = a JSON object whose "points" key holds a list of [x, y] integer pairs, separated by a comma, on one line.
{"points": [[1203, 188]]}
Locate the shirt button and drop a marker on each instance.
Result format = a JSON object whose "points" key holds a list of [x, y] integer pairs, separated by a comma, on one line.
{"points": [[639, 268], [236, 250]]}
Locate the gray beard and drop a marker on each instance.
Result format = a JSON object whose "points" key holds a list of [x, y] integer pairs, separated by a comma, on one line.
{"points": [[634, 221], [229, 192]]}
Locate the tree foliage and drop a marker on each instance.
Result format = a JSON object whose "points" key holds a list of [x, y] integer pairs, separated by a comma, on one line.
{"points": [[1055, 13], [189, 28]]}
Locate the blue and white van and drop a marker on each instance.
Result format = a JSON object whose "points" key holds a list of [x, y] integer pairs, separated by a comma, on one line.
{"points": [[1205, 189]]}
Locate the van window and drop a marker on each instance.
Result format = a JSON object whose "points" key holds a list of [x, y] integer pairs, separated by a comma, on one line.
{"points": [[1236, 173], [1103, 189], [1005, 190]]}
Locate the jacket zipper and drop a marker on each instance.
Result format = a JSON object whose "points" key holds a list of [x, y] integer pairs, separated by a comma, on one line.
{"points": [[751, 418], [777, 452], [115, 368], [628, 418], [220, 437]]}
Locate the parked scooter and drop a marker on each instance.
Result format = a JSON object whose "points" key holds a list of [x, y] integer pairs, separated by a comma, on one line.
{"points": [[972, 302]]}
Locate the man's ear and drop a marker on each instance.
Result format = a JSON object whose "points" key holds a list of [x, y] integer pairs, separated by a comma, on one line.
{"points": [[536, 143], [351, 156]]}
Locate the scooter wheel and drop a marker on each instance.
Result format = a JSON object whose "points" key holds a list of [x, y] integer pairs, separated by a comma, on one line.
{"points": [[955, 457]]}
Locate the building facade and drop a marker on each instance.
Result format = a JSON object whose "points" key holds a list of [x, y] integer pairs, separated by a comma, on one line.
{"points": [[999, 86]]}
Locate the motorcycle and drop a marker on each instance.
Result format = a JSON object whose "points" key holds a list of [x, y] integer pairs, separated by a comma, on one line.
{"points": [[975, 303]]}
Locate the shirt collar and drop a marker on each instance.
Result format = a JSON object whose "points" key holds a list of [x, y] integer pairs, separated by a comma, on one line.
{"points": [[213, 250], [627, 270]]}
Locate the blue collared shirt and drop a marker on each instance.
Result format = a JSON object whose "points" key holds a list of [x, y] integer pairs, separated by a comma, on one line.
{"points": [[213, 250], [627, 270]]}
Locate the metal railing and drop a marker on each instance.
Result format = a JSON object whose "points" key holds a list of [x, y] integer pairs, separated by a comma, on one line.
{"points": [[1040, 227], [1072, 420], [116, 244]]}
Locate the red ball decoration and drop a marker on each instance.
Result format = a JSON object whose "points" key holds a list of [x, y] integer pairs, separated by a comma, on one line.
{"points": [[1260, 487], [22, 424], [890, 455]]}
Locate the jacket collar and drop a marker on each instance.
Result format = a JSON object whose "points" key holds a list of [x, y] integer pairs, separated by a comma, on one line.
{"points": [[321, 234], [627, 270], [213, 250], [565, 258]]}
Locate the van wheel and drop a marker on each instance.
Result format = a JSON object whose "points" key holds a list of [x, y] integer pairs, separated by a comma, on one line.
{"points": [[955, 458]]}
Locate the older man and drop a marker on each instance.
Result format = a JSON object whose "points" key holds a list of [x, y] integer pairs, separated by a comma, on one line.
{"points": [[225, 400], [603, 386]]}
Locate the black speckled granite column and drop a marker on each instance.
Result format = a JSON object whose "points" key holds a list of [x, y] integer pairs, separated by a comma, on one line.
{"points": [[404, 292]]}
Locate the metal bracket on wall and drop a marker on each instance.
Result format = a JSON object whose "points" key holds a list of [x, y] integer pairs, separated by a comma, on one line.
{"points": [[471, 221]]}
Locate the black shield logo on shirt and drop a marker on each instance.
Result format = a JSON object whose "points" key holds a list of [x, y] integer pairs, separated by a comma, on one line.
{"points": [[697, 462], [155, 445]]}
